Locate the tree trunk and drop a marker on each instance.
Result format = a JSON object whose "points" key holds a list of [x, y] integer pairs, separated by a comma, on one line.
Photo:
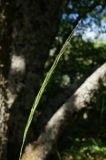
{"points": [[5, 42], [3, 120], [83, 96], [34, 28]]}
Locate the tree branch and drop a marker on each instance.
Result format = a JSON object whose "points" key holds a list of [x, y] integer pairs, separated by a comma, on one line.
{"points": [[83, 96]]}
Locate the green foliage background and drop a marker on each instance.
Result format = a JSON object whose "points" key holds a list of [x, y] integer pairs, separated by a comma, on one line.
{"points": [[86, 139]]}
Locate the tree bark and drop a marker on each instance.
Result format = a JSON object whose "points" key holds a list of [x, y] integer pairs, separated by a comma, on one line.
{"points": [[5, 43], [4, 116], [83, 96], [35, 26]]}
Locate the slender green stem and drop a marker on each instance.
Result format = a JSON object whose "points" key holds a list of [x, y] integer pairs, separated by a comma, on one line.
{"points": [[43, 87]]}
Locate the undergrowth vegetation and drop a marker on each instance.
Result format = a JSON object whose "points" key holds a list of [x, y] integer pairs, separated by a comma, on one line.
{"points": [[87, 138]]}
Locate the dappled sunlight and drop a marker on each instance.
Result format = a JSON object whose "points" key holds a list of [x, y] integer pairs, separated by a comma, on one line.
{"points": [[17, 64], [17, 71]]}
